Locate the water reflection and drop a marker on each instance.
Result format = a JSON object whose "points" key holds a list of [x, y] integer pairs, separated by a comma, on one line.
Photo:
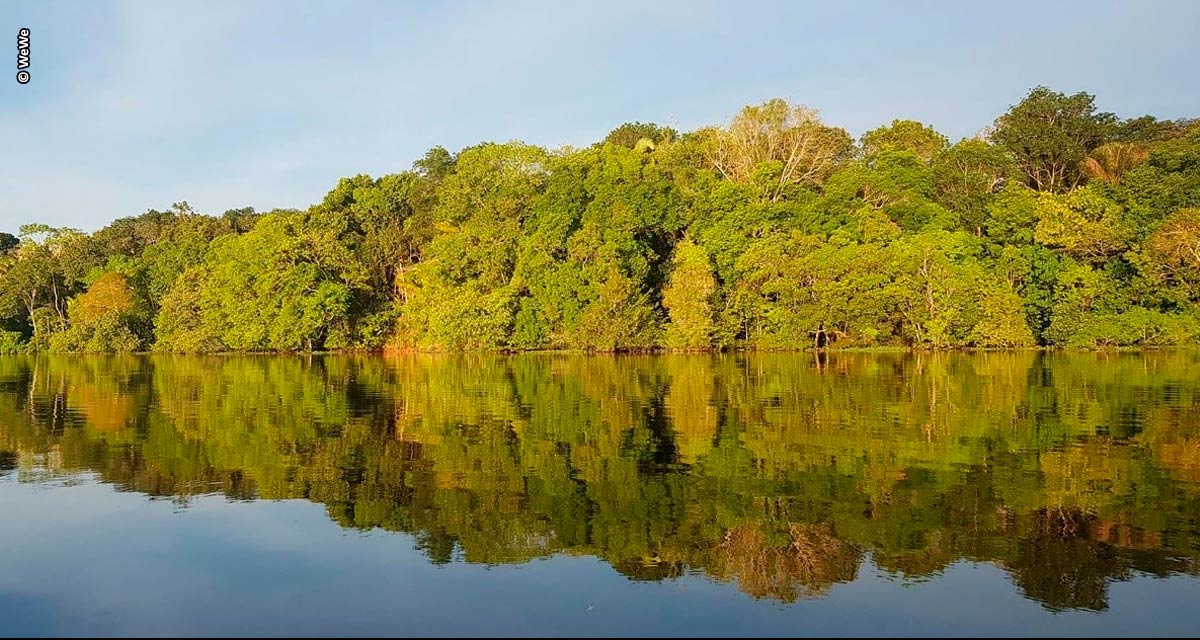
{"points": [[780, 473]]}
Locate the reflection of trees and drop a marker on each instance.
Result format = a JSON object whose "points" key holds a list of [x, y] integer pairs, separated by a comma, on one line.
{"points": [[775, 471], [1060, 564], [803, 560]]}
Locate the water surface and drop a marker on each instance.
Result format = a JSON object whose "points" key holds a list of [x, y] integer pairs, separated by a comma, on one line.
{"points": [[993, 493]]}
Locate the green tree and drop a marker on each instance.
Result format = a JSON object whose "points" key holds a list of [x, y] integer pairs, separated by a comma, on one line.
{"points": [[285, 285], [467, 271], [8, 242], [1083, 223], [1002, 321], [687, 298], [1172, 254], [631, 134], [45, 270], [905, 135], [967, 176], [620, 318], [1050, 134], [179, 325]]}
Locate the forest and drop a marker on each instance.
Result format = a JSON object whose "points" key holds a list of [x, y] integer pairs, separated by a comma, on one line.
{"points": [[1058, 225]]}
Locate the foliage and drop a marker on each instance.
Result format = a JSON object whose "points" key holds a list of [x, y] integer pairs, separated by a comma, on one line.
{"points": [[966, 178], [1111, 161], [687, 299], [285, 285], [8, 242], [1083, 223], [632, 134], [12, 342], [1050, 134], [107, 318], [1173, 254], [180, 325], [905, 135], [775, 145], [1063, 226]]}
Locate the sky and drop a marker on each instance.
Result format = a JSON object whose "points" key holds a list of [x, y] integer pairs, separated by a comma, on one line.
{"points": [[136, 105]]}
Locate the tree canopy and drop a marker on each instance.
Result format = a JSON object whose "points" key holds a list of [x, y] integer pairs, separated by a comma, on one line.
{"points": [[1062, 226]]}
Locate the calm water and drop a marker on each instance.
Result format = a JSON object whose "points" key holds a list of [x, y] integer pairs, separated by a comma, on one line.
{"points": [[1000, 493]]}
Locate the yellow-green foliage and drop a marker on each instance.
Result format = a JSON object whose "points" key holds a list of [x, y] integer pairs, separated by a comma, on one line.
{"points": [[1065, 226], [103, 319], [688, 299]]}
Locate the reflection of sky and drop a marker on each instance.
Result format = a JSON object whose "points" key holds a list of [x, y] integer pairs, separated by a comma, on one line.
{"points": [[88, 560], [138, 104]]}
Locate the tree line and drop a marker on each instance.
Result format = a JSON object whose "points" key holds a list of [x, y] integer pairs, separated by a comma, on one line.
{"points": [[1059, 225]]}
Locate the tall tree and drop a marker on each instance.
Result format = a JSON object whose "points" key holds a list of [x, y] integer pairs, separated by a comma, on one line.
{"points": [[630, 134], [905, 135], [777, 145], [1050, 134]]}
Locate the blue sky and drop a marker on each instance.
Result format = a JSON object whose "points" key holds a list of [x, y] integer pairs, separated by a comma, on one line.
{"points": [[135, 105]]}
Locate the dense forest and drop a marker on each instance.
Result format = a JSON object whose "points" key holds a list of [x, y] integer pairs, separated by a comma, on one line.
{"points": [[1059, 225], [786, 474]]}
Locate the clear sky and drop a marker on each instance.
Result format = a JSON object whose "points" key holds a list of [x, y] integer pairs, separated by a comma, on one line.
{"points": [[135, 105]]}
